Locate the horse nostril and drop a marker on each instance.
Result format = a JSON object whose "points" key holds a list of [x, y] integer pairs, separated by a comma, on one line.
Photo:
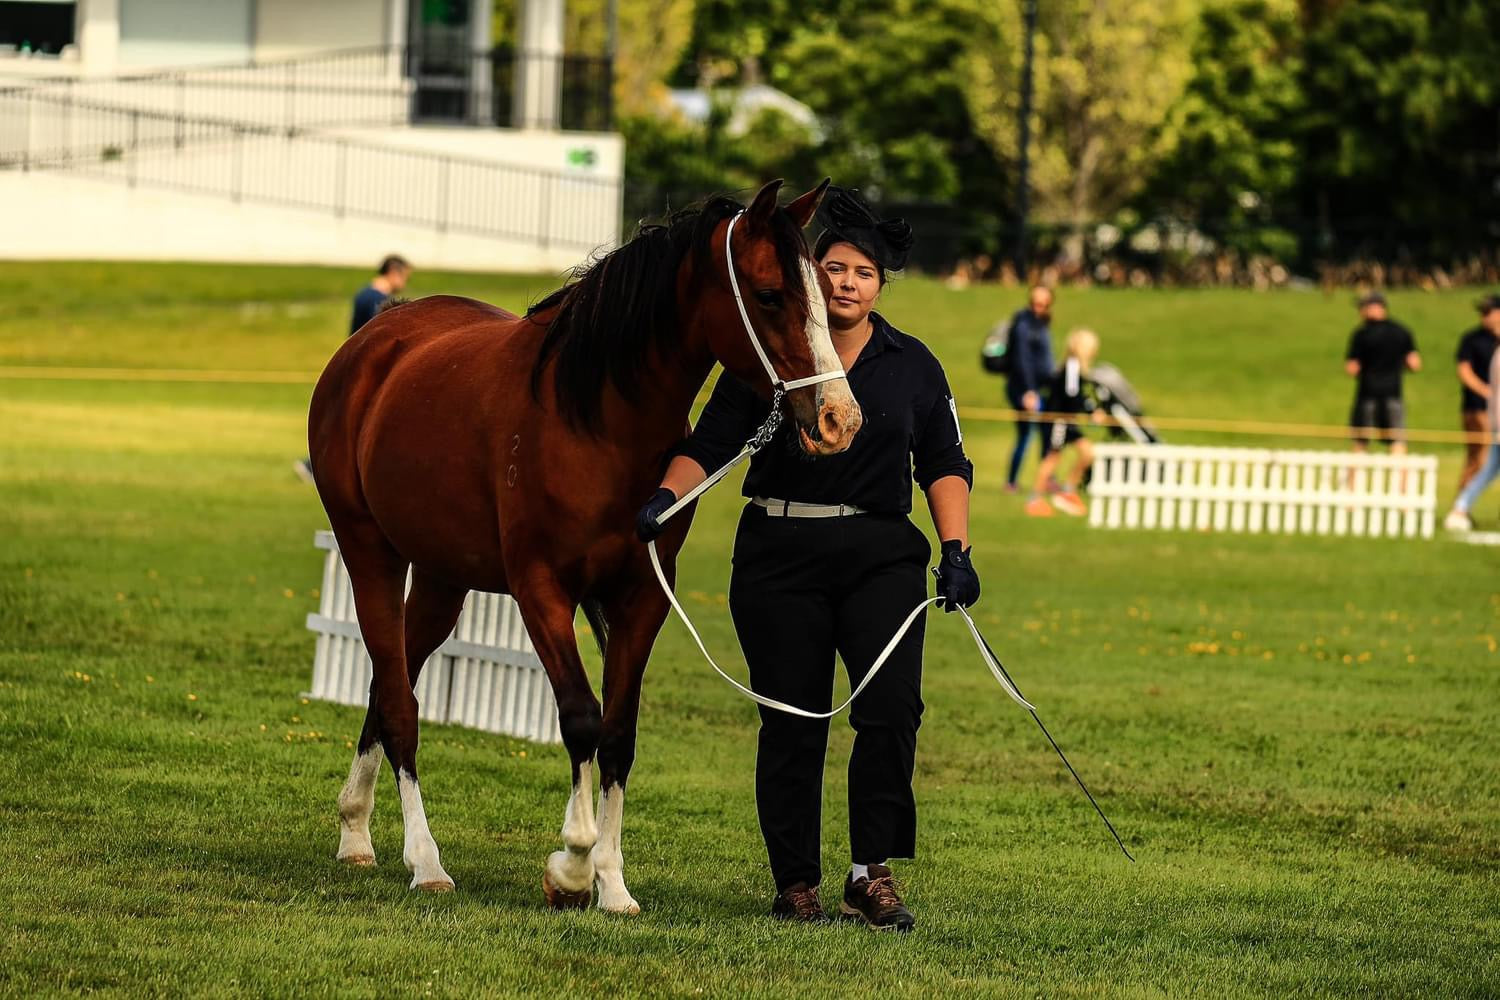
{"points": [[830, 427]]}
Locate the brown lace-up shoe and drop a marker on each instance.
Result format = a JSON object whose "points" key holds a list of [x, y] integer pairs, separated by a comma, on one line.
{"points": [[874, 901], [800, 903]]}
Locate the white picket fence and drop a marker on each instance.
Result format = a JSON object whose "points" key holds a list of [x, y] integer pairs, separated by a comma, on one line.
{"points": [[485, 676], [1260, 490]]}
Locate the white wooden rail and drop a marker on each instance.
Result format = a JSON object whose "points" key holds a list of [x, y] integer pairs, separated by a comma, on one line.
{"points": [[485, 676], [1260, 490]]}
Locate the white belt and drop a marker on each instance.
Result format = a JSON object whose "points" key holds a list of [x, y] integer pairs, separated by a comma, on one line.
{"points": [[791, 508]]}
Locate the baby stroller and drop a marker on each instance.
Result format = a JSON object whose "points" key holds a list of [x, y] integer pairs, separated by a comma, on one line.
{"points": [[1117, 397]]}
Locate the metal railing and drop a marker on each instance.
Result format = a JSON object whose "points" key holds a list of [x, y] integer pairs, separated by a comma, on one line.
{"points": [[370, 86], [270, 165]]}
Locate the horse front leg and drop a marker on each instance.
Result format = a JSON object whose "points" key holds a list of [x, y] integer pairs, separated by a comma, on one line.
{"points": [[633, 624], [567, 882]]}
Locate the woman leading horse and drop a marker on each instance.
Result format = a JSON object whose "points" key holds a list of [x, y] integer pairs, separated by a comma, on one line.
{"points": [[485, 451], [826, 560]]}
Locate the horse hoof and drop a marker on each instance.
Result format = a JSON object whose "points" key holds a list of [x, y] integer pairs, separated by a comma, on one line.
{"points": [[630, 909], [358, 860], [562, 899], [434, 885]]}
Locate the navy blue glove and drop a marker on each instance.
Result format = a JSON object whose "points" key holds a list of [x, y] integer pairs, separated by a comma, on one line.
{"points": [[957, 583], [648, 522]]}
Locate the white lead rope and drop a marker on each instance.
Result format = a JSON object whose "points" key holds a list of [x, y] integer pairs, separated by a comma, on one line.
{"points": [[885, 654]]}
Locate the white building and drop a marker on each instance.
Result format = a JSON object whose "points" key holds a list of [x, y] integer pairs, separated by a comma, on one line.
{"points": [[328, 131]]}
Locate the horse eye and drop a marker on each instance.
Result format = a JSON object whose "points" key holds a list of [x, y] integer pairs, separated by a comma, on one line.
{"points": [[769, 297]]}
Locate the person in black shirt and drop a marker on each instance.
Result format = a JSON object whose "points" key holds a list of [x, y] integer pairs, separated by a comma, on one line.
{"points": [[391, 280], [827, 561], [1476, 349], [1380, 352]]}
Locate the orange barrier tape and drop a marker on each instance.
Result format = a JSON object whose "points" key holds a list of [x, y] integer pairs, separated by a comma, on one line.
{"points": [[1250, 428], [1253, 428], [44, 372]]}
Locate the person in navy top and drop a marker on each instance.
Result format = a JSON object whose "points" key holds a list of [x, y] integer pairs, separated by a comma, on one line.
{"points": [[826, 561], [391, 280], [1030, 350]]}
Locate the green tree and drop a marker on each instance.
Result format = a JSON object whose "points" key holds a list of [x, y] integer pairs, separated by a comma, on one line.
{"points": [[1231, 158], [1105, 75], [1402, 130]]}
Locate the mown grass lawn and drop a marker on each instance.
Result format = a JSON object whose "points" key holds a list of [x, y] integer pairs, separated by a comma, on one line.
{"points": [[1297, 736]]}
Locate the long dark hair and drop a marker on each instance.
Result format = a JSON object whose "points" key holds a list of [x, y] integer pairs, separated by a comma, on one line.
{"points": [[618, 308]]}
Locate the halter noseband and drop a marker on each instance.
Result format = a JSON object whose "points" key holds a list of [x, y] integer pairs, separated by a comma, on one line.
{"points": [[777, 385]]}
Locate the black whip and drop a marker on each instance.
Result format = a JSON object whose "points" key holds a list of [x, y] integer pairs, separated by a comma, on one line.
{"points": [[1060, 754]]}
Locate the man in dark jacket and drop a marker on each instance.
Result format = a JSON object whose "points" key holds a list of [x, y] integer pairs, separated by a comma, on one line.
{"points": [[1030, 350], [391, 280]]}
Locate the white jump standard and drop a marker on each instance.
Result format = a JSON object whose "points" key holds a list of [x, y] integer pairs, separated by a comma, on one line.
{"points": [[484, 676], [1262, 490]]}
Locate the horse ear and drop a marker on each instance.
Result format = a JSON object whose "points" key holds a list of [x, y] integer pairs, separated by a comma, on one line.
{"points": [[803, 208], [765, 202]]}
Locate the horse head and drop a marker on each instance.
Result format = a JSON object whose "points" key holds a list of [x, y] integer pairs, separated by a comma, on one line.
{"points": [[781, 321]]}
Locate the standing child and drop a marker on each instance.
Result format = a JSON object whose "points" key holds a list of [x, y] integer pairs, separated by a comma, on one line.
{"points": [[1066, 395]]}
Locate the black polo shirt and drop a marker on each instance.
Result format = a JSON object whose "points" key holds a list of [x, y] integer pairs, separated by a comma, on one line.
{"points": [[1381, 347], [910, 429], [1477, 347]]}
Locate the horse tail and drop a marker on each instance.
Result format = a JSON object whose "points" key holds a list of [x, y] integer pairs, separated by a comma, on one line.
{"points": [[594, 612]]}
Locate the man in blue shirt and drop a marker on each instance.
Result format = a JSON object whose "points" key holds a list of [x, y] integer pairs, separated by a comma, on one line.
{"points": [[1030, 350], [394, 272]]}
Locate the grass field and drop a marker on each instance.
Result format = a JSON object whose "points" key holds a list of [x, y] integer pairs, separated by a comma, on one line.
{"points": [[1297, 736]]}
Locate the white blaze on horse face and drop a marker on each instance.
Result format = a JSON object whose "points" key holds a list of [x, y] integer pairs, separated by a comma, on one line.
{"points": [[609, 863], [421, 852], [819, 340], [356, 802], [838, 414], [572, 870]]}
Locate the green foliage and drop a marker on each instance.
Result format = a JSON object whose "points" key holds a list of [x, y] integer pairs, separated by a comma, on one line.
{"points": [[1105, 75], [886, 79], [1401, 131], [1234, 156]]}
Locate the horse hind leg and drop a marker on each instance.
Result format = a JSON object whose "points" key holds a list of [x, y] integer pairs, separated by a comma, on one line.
{"points": [[432, 608], [567, 882], [377, 575], [357, 799]]}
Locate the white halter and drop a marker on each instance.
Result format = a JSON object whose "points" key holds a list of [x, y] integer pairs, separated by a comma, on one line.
{"points": [[776, 383]]}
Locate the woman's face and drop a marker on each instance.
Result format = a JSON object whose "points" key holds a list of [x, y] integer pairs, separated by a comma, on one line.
{"points": [[856, 285]]}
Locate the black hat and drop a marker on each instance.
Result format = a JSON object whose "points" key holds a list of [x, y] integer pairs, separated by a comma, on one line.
{"points": [[846, 217], [1488, 303], [1371, 298]]}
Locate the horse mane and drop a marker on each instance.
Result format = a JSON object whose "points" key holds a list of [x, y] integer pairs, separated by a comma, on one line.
{"points": [[618, 308]]}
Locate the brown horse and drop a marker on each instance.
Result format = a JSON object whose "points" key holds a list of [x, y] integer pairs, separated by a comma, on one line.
{"points": [[485, 451]]}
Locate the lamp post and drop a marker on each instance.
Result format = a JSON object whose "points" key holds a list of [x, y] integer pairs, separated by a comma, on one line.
{"points": [[1023, 180]]}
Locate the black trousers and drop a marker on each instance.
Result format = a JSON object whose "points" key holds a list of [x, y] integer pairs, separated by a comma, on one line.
{"points": [[801, 590]]}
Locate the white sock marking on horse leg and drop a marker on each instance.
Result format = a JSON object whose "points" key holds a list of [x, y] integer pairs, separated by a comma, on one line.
{"points": [[572, 869], [608, 861], [421, 852], [356, 802]]}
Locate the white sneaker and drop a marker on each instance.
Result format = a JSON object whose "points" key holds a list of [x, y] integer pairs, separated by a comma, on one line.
{"points": [[1458, 520]]}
